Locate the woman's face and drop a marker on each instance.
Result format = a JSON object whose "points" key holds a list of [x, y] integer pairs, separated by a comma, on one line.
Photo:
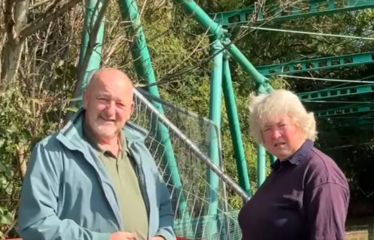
{"points": [[282, 137]]}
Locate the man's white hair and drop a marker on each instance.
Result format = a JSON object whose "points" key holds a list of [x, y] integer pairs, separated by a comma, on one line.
{"points": [[279, 103]]}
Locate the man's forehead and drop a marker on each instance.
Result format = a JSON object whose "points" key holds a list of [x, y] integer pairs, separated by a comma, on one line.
{"points": [[109, 73], [102, 93], [111, 86], [115, 80], [121, 97], [109, 94]]}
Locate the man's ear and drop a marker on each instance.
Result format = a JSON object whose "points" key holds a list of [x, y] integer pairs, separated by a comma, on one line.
{"points": [[132, 108], [85, 99]]}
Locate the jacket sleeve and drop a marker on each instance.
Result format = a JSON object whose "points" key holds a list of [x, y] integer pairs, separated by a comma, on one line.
{"points": [[37, 218], [166, 221], [326, 207]]}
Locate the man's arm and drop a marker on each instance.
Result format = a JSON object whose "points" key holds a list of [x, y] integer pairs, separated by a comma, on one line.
{"points": [[326, 209], [166, 221], [38, 204]]}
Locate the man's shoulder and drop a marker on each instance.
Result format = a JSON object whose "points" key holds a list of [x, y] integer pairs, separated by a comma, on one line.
{"points": [[134, 132], [48, 148], [322, 169], [47, 154], [48, 141]]}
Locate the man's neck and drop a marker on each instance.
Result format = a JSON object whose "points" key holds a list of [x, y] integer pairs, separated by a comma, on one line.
{"points": [[107, 144], [110, 142], [111, 145], [114, 149]]}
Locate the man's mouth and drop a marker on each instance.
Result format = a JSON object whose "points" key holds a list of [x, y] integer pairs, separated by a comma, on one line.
{"points": [[107, 120]]}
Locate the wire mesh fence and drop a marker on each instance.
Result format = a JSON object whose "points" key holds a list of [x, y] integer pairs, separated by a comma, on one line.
{"points": [[179, 142]]}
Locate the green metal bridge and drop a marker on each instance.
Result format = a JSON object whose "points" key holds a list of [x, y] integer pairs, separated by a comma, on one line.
{"points": [[223, 51]]}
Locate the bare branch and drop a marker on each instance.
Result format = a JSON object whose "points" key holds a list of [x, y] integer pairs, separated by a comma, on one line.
{"points": [[49, 9], [39, 4], [113, 48], [90, 48], [58, 11], [22, 165], [46, 38]]}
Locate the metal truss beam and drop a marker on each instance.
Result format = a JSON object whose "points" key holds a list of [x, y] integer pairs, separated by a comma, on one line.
{"points": [[317, 64], [336, 92], [345, 110], [281, 13], [354, 123]]}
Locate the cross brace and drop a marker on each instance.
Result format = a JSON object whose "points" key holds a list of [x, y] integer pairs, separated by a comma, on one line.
{"points": [[276, 12], [336, 92], [354, 123], [345, 110], [317, 64]]}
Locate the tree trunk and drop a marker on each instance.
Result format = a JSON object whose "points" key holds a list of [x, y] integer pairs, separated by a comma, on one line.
{"points": [[13, 46], [17, 30]]}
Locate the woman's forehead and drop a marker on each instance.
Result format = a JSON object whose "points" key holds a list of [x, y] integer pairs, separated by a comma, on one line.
{"points": [[274, 120]]}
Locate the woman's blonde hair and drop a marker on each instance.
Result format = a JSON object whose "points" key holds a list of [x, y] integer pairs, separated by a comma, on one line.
{"points": [[279, 103]]}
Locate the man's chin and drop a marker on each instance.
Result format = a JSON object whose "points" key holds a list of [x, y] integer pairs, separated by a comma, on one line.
{"points": [[106, 133]]}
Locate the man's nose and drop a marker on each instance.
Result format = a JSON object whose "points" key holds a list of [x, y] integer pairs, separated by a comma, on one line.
{"points": [[111, 109]]}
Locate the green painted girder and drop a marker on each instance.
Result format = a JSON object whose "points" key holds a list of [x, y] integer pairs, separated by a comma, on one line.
{"points": [[276, 13], [317, 64], [351, 109], [354, 123], [336, 92]]}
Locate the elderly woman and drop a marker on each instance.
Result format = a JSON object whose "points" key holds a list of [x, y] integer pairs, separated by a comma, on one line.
{"points": [[306, 195]]}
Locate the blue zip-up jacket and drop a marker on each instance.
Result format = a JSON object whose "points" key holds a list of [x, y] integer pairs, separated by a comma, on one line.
{"points": [[67, 194]]}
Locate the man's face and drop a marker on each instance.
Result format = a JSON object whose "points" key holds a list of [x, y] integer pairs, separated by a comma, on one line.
{"points": [[282, 137], [108, 105]]}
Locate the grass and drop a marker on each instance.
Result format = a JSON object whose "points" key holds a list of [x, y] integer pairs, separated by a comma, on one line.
{"points": [[360, 229], [358, 235]]}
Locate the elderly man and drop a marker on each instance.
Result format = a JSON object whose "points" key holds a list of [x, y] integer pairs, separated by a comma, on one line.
{"points": [[95, 179]]}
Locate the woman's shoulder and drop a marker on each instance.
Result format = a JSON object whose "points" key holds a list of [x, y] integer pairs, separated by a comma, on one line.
{"points": [[321, 169]]}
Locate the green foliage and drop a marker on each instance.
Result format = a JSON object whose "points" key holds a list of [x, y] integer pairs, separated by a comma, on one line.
{"points": [[12, 143], [24, 120], [6, 218]]}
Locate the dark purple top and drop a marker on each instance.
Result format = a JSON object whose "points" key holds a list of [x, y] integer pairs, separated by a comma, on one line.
{"points": [[304, 198]]}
